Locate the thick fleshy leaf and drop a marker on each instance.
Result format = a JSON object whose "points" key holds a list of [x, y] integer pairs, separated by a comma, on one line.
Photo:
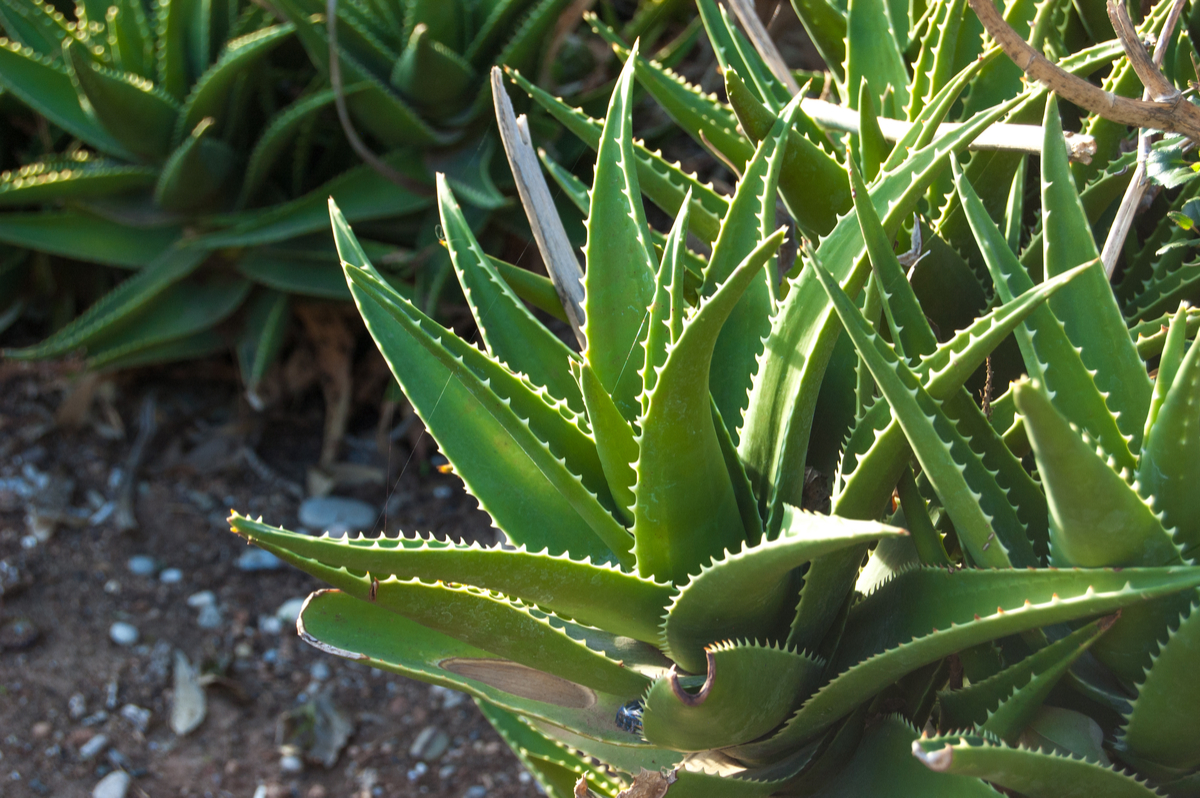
{"points": [[619, 282], [872, 53], [454, 387], [750, 594], [826, 26], [750, 689], [263, 331], [86, 237], [616, 444], [686, 510], [195, 174], [1037, 774], [78, 177]]}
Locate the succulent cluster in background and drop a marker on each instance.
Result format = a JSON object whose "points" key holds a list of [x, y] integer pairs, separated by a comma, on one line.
{"points": [[1002, 596]]}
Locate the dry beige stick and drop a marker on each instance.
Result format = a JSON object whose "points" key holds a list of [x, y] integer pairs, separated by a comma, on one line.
{"points": [[1157, 88], [1175, 116], [748, 15], [548, 231]]}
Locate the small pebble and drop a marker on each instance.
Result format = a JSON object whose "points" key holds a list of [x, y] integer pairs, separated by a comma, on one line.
{"points": [[171, 576], [337, 515], [112, 587], [205, 598], [446, 771], [269, 625], [77, 706], [418, 770], [123, 634], [430, 744], [319, 671], [289, 610], [478, 791], [138, 717], [442, 491], [111, 693], [95, 719], [41, 730], [258, 560], [210, 617], [141, 565], [92, 747], [114, 785], [291, 764]]}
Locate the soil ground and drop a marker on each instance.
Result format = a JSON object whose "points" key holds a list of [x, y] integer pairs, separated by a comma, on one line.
{"points": [[63, 681]]}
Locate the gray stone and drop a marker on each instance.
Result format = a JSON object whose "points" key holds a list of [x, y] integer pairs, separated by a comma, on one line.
{"points": [[258, 560], [269, 625], [430, 744], [114, 785], [289, 610], [478, 791], [337, 515], [210, 617], [93, 747], [291, 764], [138, 717], [319, 671], [171, 576], [141, 565], [123, 634], [77, 706], [205, 598]]}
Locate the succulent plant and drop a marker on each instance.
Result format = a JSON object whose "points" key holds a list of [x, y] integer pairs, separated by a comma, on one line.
{"points": [[1000, 595]]}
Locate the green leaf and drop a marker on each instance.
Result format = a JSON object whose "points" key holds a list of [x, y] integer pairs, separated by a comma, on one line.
{"points": [[263, 331], [615, 441], [339, 624], [178, 61], [873, 54], [668, 309], [294, 272], [432, 75], [512, 334], [182, 310], [686, 510], [750, 593], [1037, 774], [928, 613], [751, 689], [209, 96], [751, 218], [46, 87], [36, 25], [596, 595], [79, 177], [619, 282], [83, 236], [536, 289], [1096, 519], [1171, 451], [873, 148], [453, 386], [1026, 683], [884, 766], [1164, 724], [196, 173], [119, 305], [130, 39], [1089, 312], [826, 26]]}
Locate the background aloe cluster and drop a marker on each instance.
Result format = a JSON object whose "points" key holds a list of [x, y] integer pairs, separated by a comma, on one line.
{"points": [[1003, 592], [197, 143]]}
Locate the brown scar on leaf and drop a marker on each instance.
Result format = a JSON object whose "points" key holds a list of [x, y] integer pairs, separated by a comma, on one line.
{"points": [[686, 698]]}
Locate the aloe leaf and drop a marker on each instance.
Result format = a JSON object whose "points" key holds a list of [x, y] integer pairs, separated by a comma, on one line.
{"points": [[686, 510], [981, 511], [1096, 519], [39, 26], [1032, 677], [872, 53], [77, 178], [536, 289], [262, 335], [808, 171], [46, 87], [936, 62], [291, 272], [1164, 724], [751, 689], [524, 46], [1089, 312], [196, 172], [491, 30], [663, 182], [556, 767], [1037, 774], [928, 613], [209, 96], [83, 236], [615, 442], [340, 624], [721, 35], [1168, 465], [873, 148], [596, 595], [117, 306], [205, 343], [453, 387], [432, 75], [364, 194], [668, 308], [619, 282], [130, 39], [742, 491], [883, 765], [751, 218], [826, 26], [183, 309], [510, 331], [703, 117], [1048, 353], [175, 56], [750, 593]]}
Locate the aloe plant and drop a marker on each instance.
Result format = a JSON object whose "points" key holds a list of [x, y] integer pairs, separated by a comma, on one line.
{"points": [[1000, 595]]}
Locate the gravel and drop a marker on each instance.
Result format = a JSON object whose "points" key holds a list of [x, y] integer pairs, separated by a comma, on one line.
{"points": [[337, 515], [123, 634]]}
